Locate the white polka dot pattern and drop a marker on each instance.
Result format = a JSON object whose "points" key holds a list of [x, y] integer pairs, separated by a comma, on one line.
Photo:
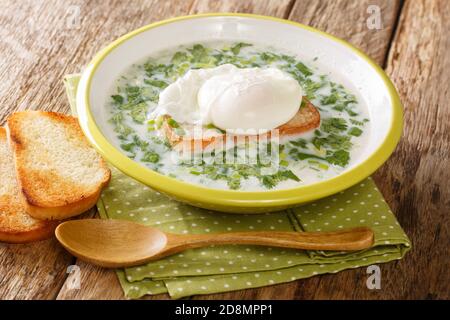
{"points": [[232, 267]]}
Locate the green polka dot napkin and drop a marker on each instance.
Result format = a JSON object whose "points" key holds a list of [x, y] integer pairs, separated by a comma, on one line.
{"points": [[232, 267]]}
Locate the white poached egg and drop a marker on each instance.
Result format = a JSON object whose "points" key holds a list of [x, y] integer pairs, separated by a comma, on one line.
{"points": [[232, 98]]}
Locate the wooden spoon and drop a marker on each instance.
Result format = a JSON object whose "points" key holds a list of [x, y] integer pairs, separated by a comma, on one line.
{"points": [[120, 243]]}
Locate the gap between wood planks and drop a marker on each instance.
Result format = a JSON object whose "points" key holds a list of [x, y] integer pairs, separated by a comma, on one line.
{"points": [[393, 34]]}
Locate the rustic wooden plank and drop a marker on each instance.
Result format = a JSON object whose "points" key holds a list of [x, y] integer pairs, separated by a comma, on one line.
{"points": [[348, 20], [41, 43], [95, 283], [36, 270], [416, 179], [32, 271], [276, 8]]}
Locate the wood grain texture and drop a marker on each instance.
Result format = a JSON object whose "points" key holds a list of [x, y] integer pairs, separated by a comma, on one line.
{"points": [[32, 271], [416, 179], [95, 284], [39, 44], [276, 8], [348, 20]]}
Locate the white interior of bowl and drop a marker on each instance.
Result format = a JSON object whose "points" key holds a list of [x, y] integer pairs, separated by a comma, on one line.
{"points": [[341, 60]]}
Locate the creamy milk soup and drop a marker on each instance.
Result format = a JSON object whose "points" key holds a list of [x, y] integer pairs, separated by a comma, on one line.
{"points": [[223, 87]]}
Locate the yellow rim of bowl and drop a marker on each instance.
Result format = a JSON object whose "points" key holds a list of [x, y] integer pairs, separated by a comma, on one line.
{"points": [[229, 198]]}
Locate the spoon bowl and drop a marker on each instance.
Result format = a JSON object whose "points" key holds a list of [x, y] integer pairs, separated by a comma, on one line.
{"points": [[110, 242], [121, 243]]}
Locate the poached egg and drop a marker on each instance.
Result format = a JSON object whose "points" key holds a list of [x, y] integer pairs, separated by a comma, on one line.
{"points": [[232, 98]]}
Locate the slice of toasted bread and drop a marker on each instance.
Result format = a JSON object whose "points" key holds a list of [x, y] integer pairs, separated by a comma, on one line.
{"points": [[307, 118], [16, 226], [59, 173]]}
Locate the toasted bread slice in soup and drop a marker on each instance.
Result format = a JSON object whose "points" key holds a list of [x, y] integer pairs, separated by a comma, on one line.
{"points": [[307, 118], [59, 173], [16, 226]]}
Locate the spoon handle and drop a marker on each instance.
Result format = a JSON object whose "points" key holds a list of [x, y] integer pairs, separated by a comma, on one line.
{"points": [[349, 239]]}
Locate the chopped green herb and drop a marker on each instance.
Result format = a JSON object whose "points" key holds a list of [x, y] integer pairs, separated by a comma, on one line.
{"points": [[268, 181], [234, 183], [172, 123], [156, 83], [159, 122], [331, 99], [302, 155], [119, 127], [199, 54], [318, 164], [288, 59], [333, 141], [179, 57], [354, 131], [128, 146], [150, 156], [139, 113], [269, 57], [302, 104], [118, 99], [211, 126], [311, 87], [238, 46], [132, 92], [149, 93], [339, 157], [333, 125], [299, 143], [303, 69], [139, 142], [356, 122], [288, 174]]}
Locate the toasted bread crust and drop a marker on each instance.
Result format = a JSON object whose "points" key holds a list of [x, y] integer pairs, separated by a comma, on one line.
{"points": [[46, 193], [13, 231], [16, 226], [307, 118], [62, 212]]}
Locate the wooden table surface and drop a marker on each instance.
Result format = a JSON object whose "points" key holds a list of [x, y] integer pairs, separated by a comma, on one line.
{"points": [[42, 40]]}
